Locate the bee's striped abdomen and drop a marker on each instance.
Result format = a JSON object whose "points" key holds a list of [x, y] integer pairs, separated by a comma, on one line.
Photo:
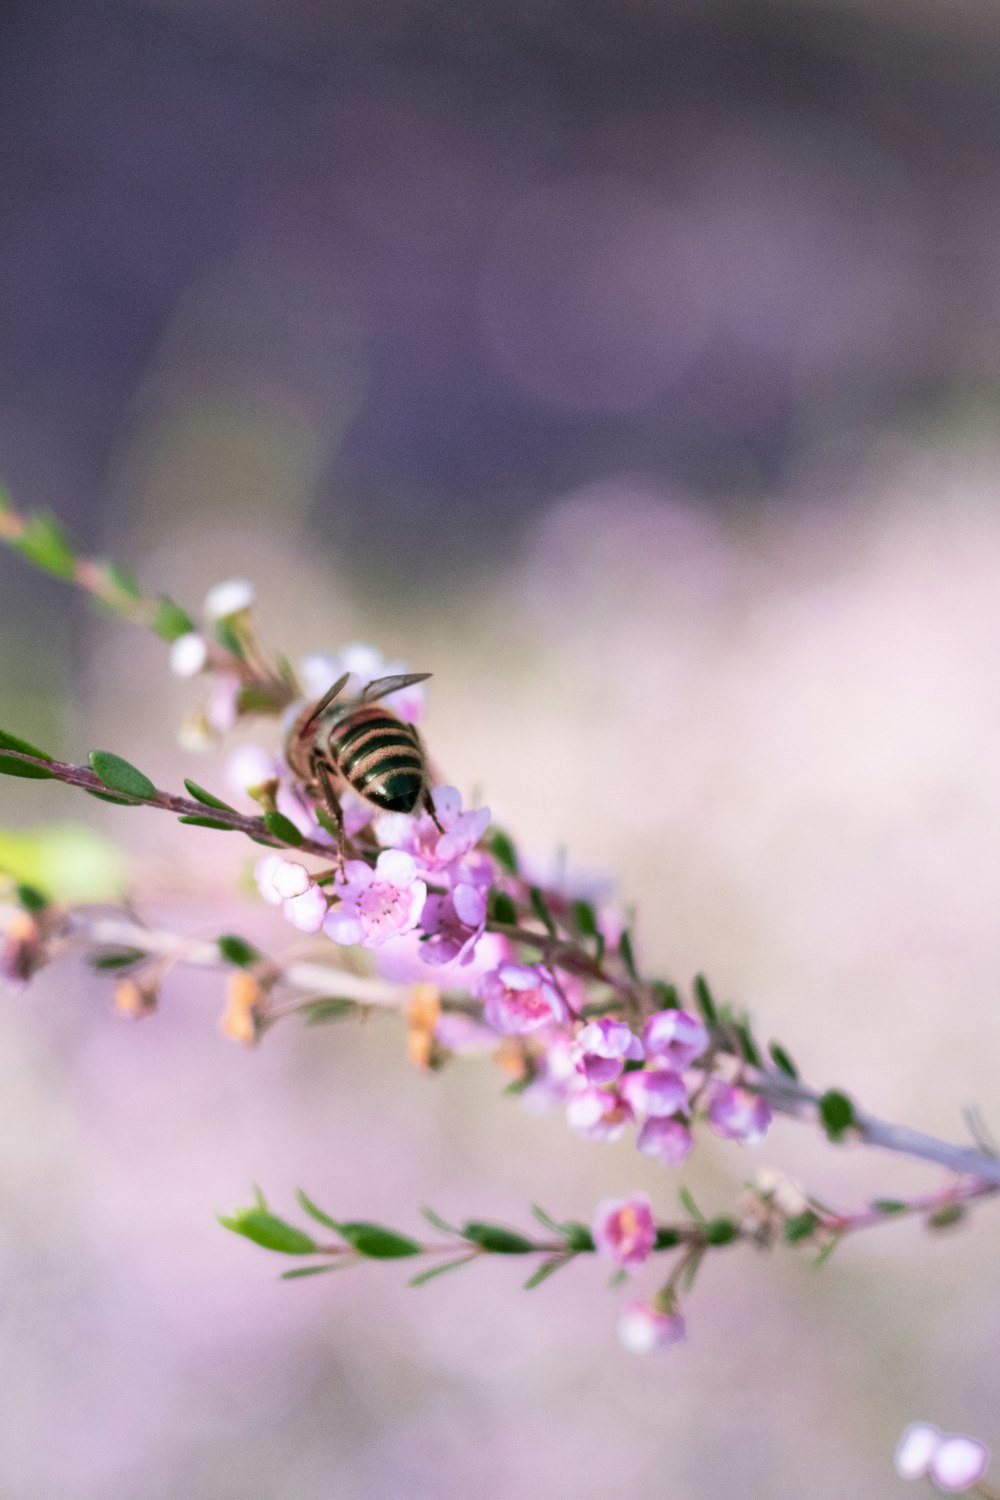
{"points": [[380, 757]]}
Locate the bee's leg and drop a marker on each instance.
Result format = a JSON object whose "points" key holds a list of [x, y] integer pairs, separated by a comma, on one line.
{"points": [[429, 805], [428, 799], [333, 807]]}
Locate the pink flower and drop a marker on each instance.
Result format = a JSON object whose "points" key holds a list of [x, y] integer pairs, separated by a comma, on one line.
{"points": [[402, 961], [624, 1229], [285, 883], [738, 1115], [674, 1037], [376, 904], [602, 1048], [668, 1141], [655, 1091], [320, 670], [249, 765], [455, 923], [953, 1461], [518, 998], [642, 1328], [421, 837], [597, 1114], [308, 911]]}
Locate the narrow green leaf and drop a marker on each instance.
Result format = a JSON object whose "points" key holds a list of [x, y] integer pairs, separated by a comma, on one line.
{"points": [[889, 1206], [826, 1252], [944, 1218], [120, 775], [215, 823], [688, 1203], [497, 1238], [541, 910], [423, 1277], [121, 958], [665, 995], [237, 950], [124, 581], [691, 1271], [298, 1272], [435, 1220], [703, 1000], [170, 621], [502, 908], [318, 1012], [628, 954], [108, 797], [229, 639], [722, 1231], [585, 919], [801, 1227], [747, 1044], [667, 1239], [206, 798], [282, 828], [782, 1061], [545, 1270], [31, 898], [836, 1111], [269, 1231], [503, 851], [577, 1236], [378, 1243], [9, 767], [314, 1211], [544, 1219], [45, 543]]}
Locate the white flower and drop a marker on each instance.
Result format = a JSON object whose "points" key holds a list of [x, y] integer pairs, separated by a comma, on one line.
{"points": [[228, 598], [188, 654]]}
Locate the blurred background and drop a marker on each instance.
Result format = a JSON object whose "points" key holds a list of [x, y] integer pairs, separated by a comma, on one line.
{"points": [[634, 368]]}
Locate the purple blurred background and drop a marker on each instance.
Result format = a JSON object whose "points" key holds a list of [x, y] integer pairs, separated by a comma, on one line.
{"points": [[635, 368]]}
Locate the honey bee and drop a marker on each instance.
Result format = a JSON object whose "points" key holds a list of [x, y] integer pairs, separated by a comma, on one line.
{"points": [[361, 744]]}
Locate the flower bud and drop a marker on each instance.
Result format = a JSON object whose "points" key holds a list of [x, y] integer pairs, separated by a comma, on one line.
{"points": [[643, 1328], [422, 1016], [241, 1018], [23, 951], [229, 598], [136, 995], [188, 654]]}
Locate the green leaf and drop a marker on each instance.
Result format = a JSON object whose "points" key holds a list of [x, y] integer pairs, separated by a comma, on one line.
{"points": [[782, 1061], [282, 828], [121, 958], [433, 1218], [503, 851], [585, 919], [269, 1231], [318, 1012], [170, 621], [124, 581], [120, 775], [826, 1252], [703, 1000], [801, 1226], [544, 1219], [889, 1206], [688, 1203], [228, 639], [206, 798], [577, 1236], [10, 767], [944, 1218], [665, 995], [109, 797], [45, 543], [378, 1243], [298, 1272], [836, 1112], [617, 1279], [215, 823], [541, 910], [721, 1231], [628, 954], [545, 1270], [237, 950], [747, 1044], [691, 1271], [667, 1239], [314, 1211], [31, 898], [496, 1238], [423, 1277], [502, 908]]}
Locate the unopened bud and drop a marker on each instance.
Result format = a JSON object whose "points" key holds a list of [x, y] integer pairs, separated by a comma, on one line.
{"points": [[229, 598], [23, 951], [188, 654], [422, 1015], [265, 793], [240, 1020], [136, 996]]}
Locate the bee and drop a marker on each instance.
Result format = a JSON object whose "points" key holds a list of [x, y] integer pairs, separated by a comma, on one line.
{"points": [[361, 744]]}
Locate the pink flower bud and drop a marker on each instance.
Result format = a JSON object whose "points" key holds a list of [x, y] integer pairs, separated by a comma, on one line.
{"points": [[597, 1114], [655, 1091], [642, 1328], [624, 1229], [738, 1115], [668, 1141], [675, 1038], [602, 1048], [290, 879], [518, 998]]}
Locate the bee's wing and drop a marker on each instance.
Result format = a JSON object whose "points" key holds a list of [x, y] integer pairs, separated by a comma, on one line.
{"points": [[327, 699], [382, 686]]}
